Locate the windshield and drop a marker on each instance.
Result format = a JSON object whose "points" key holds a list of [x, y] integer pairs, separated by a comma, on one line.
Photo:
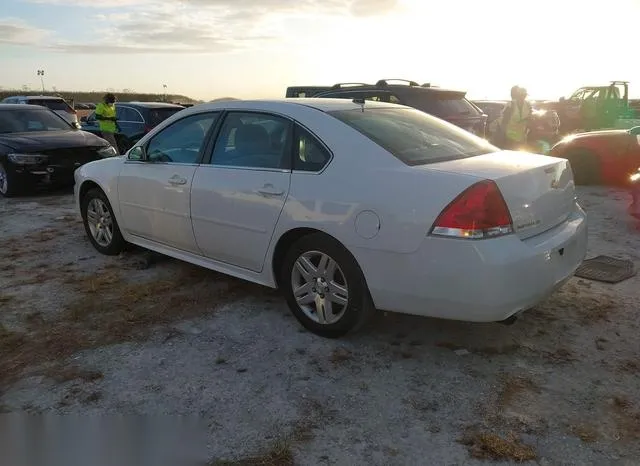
{"points": [[26, 120], [158, 115], [413, 136]]}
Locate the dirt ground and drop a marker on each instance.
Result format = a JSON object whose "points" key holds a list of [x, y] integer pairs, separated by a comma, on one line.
{"points": [[82, 333]]}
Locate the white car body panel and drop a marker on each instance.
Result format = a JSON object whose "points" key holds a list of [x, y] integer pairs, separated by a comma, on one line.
{"points": [[380, 209]]}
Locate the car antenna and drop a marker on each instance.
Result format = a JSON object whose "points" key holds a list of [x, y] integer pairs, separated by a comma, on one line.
{"points": [[359, 100]]}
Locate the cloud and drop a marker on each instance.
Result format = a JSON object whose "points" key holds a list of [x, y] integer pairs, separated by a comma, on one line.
{"points": [[16, 32], [200, 26]]}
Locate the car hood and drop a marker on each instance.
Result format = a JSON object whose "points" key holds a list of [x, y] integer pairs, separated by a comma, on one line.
{"points": [[44, 140]]}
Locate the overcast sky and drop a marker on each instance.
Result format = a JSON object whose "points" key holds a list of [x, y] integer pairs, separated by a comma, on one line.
{"points": [[256, 48]]}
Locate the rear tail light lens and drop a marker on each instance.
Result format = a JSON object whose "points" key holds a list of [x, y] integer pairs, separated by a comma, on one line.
{"points": [[479, 212]]}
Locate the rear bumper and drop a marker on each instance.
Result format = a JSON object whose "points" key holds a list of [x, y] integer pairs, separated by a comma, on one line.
{"points": [[481, 281]]}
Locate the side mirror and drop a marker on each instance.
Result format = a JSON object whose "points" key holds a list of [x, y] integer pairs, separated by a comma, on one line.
{"points": [[136, 154], [83, 119]]}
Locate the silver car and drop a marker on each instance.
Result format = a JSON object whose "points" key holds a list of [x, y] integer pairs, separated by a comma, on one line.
{"points": [[57, 104]]}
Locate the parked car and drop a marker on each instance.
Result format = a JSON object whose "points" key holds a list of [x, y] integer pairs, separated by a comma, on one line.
{"points": [[135, 120], [37, 146], [544, 129], [450, 105], [634, 207], [346, 207], [606, 157], [57, 104]]}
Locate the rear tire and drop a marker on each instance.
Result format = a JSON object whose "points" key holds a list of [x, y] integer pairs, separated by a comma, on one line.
{"points": [[585, 166], [324, 287], [100, 224]]}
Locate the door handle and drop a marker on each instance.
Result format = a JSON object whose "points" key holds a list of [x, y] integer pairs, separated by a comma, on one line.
{"points": [[269, 190], [177, 180]]}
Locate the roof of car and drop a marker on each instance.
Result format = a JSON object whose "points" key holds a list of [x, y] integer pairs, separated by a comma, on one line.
{"points": [[150, 104], [395, 87], [324, 105], [21, 107], [35, 97]]}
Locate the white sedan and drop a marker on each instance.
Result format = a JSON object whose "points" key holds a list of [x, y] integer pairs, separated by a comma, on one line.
{"points": [[346, 206]]}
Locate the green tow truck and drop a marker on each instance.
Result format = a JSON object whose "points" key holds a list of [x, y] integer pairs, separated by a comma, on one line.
{"points": [[593, 108]]}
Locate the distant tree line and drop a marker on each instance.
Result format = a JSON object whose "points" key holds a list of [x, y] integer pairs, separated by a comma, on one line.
{"points": [[95, 97]]}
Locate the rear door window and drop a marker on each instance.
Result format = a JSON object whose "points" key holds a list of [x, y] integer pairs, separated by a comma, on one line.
{"points": [[413, 136], [128, 114], [155, 116]]}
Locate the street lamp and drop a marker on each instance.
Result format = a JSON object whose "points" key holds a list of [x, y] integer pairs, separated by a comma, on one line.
{"points": [[41, 74]]}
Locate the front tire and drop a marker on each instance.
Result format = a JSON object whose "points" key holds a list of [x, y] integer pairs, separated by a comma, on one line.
{"points": [[100, 224], [8, 182], [324, 287]]}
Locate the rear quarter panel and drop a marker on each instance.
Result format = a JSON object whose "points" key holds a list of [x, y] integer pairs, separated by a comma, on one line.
{"points": [[363, 177]]}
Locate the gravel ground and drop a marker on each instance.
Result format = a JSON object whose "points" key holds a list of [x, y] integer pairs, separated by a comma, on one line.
{"points": [[83, 333]]}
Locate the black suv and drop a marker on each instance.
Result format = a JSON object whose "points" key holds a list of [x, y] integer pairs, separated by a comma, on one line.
{"points": [[135, 119], [449, 105]]}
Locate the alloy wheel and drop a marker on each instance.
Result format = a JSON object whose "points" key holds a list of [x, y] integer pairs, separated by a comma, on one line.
{"points": [[319, 287], [100, 222]]}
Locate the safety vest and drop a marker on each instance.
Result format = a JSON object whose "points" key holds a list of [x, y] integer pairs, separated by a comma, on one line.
{"points": [[109, 111], [517, 121]]}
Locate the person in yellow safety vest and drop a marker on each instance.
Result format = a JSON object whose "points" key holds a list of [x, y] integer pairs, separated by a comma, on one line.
{"points": [[106, 116], [514, 121]]}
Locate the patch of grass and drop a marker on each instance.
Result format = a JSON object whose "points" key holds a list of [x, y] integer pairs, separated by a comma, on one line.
{"points": [[627, 418], [585, 433], [514, 386], [340, 356], [630, 366], [279, 454], [421, 405], [63, 374], [6, 298], [108, 310], [560, 356], [509, 348], [588, 307], [487, 445]]}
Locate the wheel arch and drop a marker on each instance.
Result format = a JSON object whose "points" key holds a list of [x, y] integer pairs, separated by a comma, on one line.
{"points": [[289, 238]]}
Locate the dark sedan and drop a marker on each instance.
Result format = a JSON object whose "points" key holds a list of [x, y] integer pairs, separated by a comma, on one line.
{"points": [[39, 147], [135, 119]]}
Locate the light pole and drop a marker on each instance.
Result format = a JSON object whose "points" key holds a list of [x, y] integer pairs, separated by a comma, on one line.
{"points": [[164, 86], [41, 74]]}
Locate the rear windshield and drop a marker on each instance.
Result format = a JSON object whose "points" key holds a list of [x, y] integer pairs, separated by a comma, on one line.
{"points": [[413, 136], [27, 120], [52, 104], [158, 115], [445, 105]]}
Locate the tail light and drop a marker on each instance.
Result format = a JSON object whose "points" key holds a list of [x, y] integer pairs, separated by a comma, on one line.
{"points": [[479, 212]]}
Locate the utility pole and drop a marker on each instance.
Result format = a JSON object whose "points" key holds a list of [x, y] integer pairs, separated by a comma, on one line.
{"points": [[41, 74]]}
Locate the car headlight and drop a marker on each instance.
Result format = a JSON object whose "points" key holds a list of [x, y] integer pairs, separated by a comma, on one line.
{"points": [[106, 152], [27, 159]]}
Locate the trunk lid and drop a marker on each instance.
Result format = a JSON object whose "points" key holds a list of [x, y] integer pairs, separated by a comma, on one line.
{"points": [[539, 190]]}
